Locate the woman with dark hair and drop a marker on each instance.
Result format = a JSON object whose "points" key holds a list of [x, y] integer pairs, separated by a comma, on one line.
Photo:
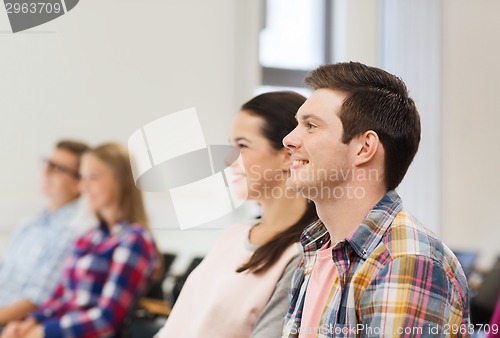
{"points": [[240, 289]]}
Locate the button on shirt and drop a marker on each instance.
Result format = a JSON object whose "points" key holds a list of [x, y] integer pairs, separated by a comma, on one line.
{"points": [[394, 277], [32, 265]]}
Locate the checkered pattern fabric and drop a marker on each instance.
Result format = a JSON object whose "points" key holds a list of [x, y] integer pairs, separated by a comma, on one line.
{"points": [[395, 279], [103, 276]]}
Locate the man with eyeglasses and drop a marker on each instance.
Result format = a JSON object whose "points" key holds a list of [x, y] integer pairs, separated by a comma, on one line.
{"points": [[32, 265]]}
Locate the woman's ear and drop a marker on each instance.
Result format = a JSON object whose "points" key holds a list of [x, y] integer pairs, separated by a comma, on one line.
{"points": [[367, 146]]}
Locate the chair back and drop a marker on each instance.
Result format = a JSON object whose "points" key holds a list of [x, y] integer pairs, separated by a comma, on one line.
{"points": [[467, 260]]}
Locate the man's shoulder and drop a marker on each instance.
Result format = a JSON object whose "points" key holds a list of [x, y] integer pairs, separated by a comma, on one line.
{"points": [[407, 237]]}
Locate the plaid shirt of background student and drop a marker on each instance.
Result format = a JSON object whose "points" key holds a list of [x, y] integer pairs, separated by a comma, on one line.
{"points": [[104, 275]]}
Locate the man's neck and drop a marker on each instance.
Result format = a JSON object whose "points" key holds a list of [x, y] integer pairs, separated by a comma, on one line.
{"points": [[55, 205], [342, 216], [278, 214]]}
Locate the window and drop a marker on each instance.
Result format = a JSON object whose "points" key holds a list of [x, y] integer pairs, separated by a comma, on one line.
{"points": [[295, 38]]}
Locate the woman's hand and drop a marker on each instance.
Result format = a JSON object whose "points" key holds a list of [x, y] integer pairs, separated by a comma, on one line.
{"points": [[35, 332], [19, 329]]}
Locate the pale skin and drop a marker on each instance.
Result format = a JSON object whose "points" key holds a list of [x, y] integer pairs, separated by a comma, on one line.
{"points": [[282, 210], [28, 328], [60, 188], [99, 186], [316, 144]]}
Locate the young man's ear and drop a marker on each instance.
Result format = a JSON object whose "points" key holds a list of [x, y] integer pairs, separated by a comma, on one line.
{"points": [[367, 146]]}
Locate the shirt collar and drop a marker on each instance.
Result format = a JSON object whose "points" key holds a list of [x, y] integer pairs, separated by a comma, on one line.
{"points": [[369, 233], [314, 236], [367, 236], [116, 229], [61, 212]]}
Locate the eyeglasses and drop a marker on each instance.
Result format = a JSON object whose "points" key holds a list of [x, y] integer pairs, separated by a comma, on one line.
{"points": [[58, 168]]}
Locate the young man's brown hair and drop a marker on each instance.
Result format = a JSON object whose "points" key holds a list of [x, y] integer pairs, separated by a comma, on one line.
{"points": [[378, 101]]}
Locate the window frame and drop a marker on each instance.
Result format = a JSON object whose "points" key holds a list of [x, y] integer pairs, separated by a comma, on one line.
{"points": [[290, 77]]}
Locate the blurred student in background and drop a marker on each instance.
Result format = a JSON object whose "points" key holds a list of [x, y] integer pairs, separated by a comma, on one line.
{"points": [[32, 265], [109, 266], [240, 289]]}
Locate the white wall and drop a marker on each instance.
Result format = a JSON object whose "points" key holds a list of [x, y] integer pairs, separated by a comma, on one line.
{"points": [[356, 31], [105, 69], [471, 120], [403, 37], [411, 48], [447, 52]]}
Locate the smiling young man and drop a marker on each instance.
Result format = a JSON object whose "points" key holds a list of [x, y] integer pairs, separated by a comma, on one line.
{"points": [[369, 269], [32, 264]]}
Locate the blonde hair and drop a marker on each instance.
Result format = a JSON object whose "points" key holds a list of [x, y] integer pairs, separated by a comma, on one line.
{"points": [[130, 202]]}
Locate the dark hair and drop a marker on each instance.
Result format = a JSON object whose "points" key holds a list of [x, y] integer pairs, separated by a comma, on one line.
{"points": [[278, 110], [376, 100], [266, 255], [74, 147]]}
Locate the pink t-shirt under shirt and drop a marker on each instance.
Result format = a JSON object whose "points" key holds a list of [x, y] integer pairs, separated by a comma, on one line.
{"points": [[323, 276]]}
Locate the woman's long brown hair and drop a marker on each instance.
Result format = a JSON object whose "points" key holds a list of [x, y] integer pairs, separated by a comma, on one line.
{"points": [[268, 254]]}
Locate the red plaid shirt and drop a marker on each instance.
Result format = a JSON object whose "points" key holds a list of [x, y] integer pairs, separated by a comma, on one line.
{"points": [[103, 276]]}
